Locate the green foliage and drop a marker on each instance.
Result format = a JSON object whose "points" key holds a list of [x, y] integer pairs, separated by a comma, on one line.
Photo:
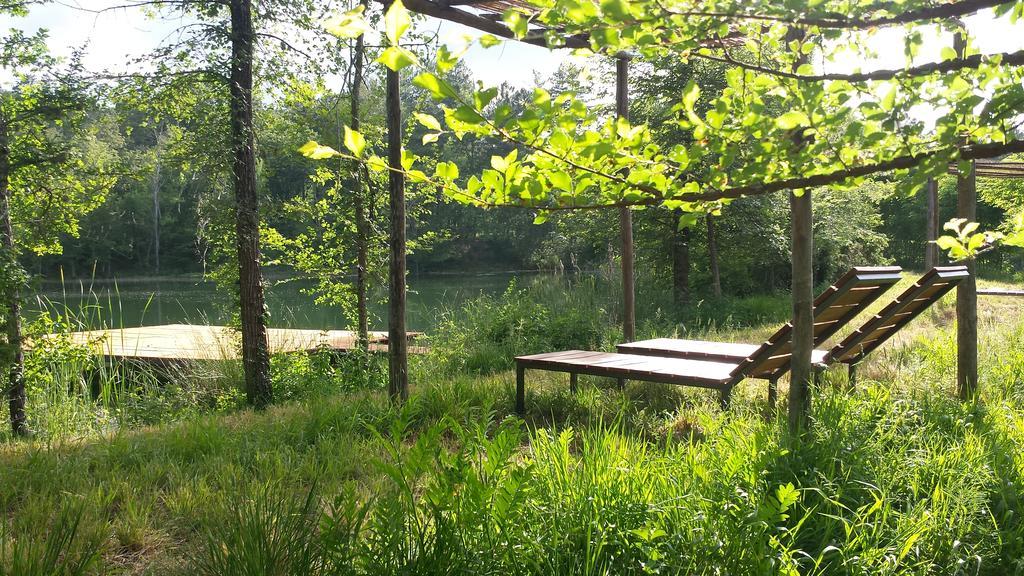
{"points": [[488, 332], [63, 551]]}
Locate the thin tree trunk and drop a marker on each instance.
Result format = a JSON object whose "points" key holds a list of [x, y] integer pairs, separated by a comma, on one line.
{"points": [[803, 317], [362, 226], [680, 264], [967, 298], [398, 360], [15, 384], [255, 353], [155, 189], [967, 290], [716, 278], [625, 216], [801, 371], [931, 250]]}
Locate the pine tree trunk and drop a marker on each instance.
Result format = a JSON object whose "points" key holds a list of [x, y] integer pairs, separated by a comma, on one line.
{"points": [[398, 360], [255, 353], [680, 264], [15, 384], [716, 278], [362, 226]]}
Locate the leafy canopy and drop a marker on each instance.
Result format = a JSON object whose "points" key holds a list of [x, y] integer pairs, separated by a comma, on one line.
{"points": [[781, 122]]}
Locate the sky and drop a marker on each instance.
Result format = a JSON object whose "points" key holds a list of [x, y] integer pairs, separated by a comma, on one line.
{"points": [[112, 37], [115, 36]]}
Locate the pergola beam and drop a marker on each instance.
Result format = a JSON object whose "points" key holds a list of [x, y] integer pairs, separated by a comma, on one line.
{"points": [[484, 24]]}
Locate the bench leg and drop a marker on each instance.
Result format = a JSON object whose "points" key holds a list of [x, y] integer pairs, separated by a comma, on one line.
{"points": [[520, 390], [851, 375], [573, 381], [622, 383], [773, 394], [725, 397]]}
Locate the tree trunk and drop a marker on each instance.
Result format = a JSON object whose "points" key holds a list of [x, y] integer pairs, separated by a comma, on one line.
{"points": [[625, 216], [398, 360], [362, 226], [15, 384], [716, 278], [680, 264], [931, 250], [967, 290], [967, 298], [255, 353], [155, 190], [801, 373]]}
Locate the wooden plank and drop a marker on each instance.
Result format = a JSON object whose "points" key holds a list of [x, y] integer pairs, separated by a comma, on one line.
{"points": [[999, 292], [647, 368], [183, 342]]}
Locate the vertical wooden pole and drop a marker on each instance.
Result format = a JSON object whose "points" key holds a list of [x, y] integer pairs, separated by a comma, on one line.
{"points": [[803, 317], [520, 389], [967, 290], [362, 226], [625, 216], [801, 371], [931, 251], [398, 361], [716, 279]]}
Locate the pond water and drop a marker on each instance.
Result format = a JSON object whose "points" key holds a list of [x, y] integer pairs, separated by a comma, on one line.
{"points": [[135, 301]]}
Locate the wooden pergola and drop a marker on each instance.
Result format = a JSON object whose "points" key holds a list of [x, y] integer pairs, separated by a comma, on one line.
{"points": [[485, 16]]}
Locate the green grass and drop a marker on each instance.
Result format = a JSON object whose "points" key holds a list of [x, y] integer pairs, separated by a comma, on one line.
{"points": [[897, 478]]}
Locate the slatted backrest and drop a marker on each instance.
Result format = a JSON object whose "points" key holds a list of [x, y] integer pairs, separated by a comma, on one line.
{"points": [[897, 314], [833, 308]]}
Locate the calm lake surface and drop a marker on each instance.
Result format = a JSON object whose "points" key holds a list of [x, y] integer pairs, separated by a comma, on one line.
{"points": [[134, 301]]}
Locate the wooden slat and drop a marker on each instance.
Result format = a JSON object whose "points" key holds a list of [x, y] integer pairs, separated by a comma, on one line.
{"points": [[634, 367], [892, 318]]}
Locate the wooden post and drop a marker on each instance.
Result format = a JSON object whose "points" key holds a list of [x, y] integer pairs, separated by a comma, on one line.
{"points": [[803, 318], [398, 360], [931, 251], [520, 389], [625, 216], [573, 382], [716, 279], [801, 214], [362, 226], [967, 290], [851, 375], [773, 394], [725, 398]]}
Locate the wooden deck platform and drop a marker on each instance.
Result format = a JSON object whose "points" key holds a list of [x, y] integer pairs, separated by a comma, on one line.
{"points": [[185, 342]]}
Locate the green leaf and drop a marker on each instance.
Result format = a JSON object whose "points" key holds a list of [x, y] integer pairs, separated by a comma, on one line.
{"points": [[315, 151], [396, 58], [617, 9], [518, 22], [431, 137], [792, 119], [355, 142], [350, 24], [446, 171], [427, 121], [489, 40], [437, 87], [396, 22]]}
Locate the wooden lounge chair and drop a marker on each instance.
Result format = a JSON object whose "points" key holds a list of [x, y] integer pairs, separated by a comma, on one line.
{"points": [[840, 303], [833, 308], [926, 291]]}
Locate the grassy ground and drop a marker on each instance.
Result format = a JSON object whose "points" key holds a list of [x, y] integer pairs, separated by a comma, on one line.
{"points": [[898, 478]]}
